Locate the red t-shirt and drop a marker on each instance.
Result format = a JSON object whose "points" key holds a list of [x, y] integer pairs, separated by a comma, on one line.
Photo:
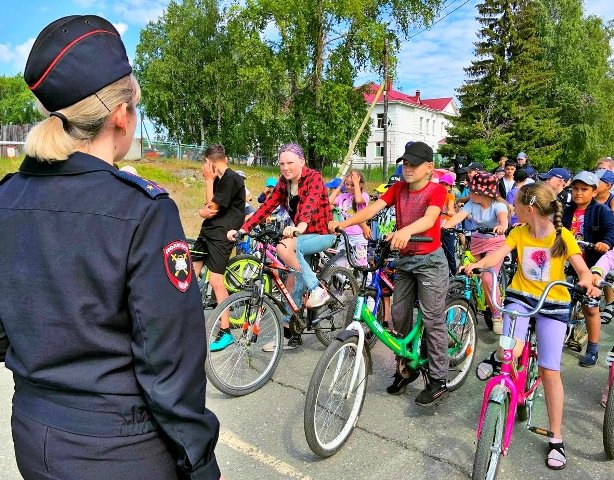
{"points": [[411, 205]]}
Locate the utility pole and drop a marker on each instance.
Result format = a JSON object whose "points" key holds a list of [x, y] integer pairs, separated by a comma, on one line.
{"points": [[385, 119]]}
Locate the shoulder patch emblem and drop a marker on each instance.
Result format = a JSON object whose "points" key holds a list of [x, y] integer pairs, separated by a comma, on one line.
{"points": [[178, 264]]}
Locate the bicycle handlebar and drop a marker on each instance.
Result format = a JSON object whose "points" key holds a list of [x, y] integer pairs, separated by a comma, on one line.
{"points": [[382, 258], [482, 230], [583, 244], [540, 302]]}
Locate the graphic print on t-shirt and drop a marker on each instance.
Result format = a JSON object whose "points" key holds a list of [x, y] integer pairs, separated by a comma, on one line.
{"points": [[536, 264], [577, 224]]}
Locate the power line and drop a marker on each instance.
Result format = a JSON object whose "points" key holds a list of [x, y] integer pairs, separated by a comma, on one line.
{"points": [[439, 19]]}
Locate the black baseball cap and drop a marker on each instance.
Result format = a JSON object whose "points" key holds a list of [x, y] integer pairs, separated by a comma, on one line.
{"points": [[416, 153], [73, 58]]}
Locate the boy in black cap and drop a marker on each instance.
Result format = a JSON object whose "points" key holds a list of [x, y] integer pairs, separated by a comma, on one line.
{"points": [[422, 268]]}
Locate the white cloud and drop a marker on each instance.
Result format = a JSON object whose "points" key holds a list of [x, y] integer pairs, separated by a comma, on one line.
{"points": [[140, 12], [17, 55], [121, 27]]}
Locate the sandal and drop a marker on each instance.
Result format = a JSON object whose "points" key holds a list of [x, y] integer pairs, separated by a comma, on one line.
{"points": [[556, 459], [487, 368]]}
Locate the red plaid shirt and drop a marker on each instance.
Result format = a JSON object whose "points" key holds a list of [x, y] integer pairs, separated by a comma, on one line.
{"points": [[313, 205]]}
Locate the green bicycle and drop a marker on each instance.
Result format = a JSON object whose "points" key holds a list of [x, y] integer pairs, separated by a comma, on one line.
{"points": [[471, 288], [339, 382]]}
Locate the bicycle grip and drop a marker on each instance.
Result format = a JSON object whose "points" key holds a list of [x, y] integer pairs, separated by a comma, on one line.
{"points": [[421, 239]]}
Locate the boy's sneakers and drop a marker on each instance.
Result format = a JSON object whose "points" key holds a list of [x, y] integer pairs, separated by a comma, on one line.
{"points": [[222, 340], [589, 359], [607, 314], [435, 390], [317, 298], [400, 382], [489, 367], [291, 344]]}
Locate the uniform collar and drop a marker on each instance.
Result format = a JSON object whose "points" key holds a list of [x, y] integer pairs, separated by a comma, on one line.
{"points": [[76, 163]]}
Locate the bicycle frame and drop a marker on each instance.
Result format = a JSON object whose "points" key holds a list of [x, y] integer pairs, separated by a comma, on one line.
{"points": [[510, 381]]}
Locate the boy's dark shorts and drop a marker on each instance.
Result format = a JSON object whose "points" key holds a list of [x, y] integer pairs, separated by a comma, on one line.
{"points": [[213, 248]]}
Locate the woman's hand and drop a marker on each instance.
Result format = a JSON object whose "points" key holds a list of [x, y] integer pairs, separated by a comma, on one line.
{"points": [[499, 229], [289, 232], [469, 268], [597, 279], [333, 225]]}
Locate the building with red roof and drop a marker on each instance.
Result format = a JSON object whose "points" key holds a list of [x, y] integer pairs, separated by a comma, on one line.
{"points": [[410, 118]]}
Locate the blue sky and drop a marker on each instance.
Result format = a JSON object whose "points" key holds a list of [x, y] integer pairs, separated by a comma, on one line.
{"points": [[431, 62]]}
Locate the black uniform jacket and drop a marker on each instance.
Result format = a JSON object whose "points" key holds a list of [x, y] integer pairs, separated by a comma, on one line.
{"points": [[100, 316]]}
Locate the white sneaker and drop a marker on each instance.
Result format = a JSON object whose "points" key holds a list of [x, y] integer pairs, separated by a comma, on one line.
{"points": [[317, 298]]}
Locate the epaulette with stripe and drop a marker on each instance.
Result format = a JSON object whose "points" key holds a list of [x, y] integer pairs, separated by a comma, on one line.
{"points": [[150, 188]]}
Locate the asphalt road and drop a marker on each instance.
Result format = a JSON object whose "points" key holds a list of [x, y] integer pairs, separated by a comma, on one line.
{"points": [[262, 434]]}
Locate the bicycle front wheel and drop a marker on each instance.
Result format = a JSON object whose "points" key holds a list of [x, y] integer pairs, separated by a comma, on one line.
{"points": [[243, 366], [462, 341], [342, 286], [332, 405], [608, 425], [489, 448]]}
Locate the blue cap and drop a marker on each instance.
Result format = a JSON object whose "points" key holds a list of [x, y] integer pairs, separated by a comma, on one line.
{"points": [[586, 177], [271, 182], [334, 183], [606, 176], [561, 173]]}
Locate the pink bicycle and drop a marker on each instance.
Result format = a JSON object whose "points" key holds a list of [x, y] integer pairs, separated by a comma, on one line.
{"points": [[509, 394], [608, 418]]}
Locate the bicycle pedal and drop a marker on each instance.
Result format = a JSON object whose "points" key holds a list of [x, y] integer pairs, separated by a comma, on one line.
{"points": [[574, 346], [541, 431]]}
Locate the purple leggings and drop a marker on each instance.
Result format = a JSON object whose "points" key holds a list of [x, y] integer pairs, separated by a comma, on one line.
{"points": [[550, 336]]}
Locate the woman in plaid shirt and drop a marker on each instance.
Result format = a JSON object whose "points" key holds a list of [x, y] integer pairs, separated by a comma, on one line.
{"points": [[302, 192]]}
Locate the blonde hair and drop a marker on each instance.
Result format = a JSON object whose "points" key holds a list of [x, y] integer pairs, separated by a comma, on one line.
{"points": [[52, 140], [542, 197]]}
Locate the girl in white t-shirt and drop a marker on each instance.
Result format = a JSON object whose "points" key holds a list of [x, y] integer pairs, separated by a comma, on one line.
{"points": [[347, 204], [485, 211]]}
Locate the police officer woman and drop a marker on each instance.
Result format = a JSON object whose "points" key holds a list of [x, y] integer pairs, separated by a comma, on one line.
{"points": [[100, 317]]}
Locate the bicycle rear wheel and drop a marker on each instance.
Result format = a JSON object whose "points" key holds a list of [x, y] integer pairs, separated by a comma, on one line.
{"points": [[608, 425], [331, 409], [243, 367], [342, 286], [462, 341], [489, 448]]}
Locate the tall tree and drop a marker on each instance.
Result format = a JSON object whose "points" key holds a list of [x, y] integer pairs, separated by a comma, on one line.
{"points": [[578, 51], [208, 77], [17, 104], [322, 44], [503, 102]]}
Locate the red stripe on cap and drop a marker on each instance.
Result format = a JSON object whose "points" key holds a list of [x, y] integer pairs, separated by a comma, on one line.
{"points": [[61, 54]]}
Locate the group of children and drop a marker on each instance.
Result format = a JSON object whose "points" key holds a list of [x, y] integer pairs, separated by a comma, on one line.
{"points": [[544, 241]]}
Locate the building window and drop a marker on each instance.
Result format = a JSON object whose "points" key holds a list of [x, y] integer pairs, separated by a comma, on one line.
{"points": [[421, 124], [433, 126], [442, 129], [380, 120], [379, 149], [428, 126]]}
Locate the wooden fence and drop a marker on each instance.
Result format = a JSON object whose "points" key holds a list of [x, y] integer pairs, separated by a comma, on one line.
{"points": [[13, 133]]}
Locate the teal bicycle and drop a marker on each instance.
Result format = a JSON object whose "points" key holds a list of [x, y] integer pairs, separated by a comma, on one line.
{"points": [[339, 382]]}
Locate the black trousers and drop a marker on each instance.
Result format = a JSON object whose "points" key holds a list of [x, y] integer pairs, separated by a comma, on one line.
{"points": [[45, 453]]}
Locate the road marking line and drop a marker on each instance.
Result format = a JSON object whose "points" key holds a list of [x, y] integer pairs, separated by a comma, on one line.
{"points": [[288, 471]]}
